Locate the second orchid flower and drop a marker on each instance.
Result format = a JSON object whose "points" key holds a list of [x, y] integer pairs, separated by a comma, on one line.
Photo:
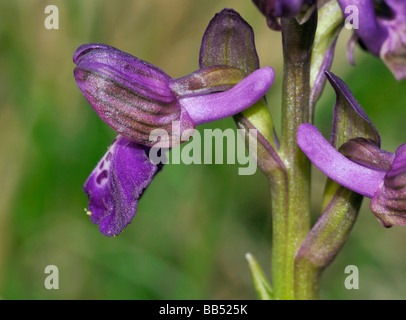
{"points": [[361, 165]]}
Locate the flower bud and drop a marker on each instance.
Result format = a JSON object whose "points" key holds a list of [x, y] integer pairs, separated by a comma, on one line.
{"points": [[274, 9], [229, 40]]}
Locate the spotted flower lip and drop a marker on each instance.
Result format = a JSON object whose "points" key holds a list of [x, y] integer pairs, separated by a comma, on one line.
{"points": [[135, 97], [117, 183], [365, 168], [382, 31], [273, 9]]}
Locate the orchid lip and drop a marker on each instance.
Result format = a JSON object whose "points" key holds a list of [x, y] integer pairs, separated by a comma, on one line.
{"points": [[117, 183], [337, 167]]}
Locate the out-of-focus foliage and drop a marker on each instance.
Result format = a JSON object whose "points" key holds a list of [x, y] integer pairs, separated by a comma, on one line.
{"points": [[195, 223]]}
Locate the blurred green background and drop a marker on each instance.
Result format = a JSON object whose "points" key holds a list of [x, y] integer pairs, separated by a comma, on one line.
{"points": [[195, 223]]}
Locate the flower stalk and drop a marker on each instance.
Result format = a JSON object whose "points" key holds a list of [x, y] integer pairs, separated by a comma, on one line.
{"points": [[291, 194]]}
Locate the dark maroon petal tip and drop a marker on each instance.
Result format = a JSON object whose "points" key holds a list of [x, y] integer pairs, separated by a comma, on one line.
{"points": [[389, 201]]}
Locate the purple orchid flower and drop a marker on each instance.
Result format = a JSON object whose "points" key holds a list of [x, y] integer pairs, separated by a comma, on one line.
{"points": [[382, 31], [360, 164], [274, 9], [135, 98]]}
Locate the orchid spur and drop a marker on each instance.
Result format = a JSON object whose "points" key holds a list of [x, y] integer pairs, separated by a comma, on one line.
{"points": [[360, 164], [134, 98]]}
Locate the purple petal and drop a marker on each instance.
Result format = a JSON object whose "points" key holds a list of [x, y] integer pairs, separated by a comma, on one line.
{"points": [[382, 30], [129, 94], [273, 9], [117, 183], [333, 164], [229, 40], [389, 201], [270, 11], [350, 120], [291, 8], [124, 69], [393, 51], [216, 106], [370, 31]]}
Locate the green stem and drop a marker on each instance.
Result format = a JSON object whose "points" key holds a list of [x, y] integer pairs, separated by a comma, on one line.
{"points": [[326, 238], [291, 198]]}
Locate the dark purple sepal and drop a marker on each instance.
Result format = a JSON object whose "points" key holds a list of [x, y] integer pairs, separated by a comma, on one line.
{"points": [[274, 9], [139, 76], [235, 47], [269, 10], [117, 183], [389, 202], [129, 94], [229, 40]]}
